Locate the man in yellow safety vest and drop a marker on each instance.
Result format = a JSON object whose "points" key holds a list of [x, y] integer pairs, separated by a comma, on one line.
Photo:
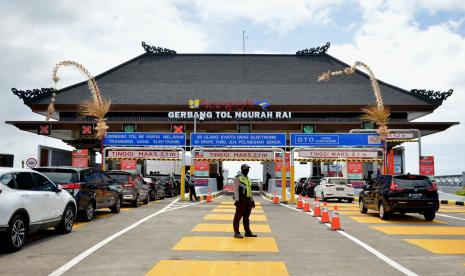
{"points": [[243, 202]]}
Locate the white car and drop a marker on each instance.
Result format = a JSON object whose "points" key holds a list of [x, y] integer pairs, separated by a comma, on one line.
{"points": [[29, 202], [334, 188]]}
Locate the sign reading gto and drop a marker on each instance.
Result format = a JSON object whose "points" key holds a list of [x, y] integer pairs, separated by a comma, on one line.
{"points": [[335, 139], [337, 154], [142, 154], [238, 155]]}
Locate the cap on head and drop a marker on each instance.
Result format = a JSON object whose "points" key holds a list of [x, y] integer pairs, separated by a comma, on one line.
{"points": [[245, 166]]}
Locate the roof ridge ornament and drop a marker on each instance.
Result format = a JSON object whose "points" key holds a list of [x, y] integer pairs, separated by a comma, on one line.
{"points": [[435, 96], [315, 51], [29, 95], [157, 50]]}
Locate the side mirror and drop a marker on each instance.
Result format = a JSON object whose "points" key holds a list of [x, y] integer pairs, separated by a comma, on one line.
{"points": [[59, 189]]}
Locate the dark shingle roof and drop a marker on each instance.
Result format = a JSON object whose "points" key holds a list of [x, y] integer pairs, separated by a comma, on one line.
{"points": [[279, 79]]}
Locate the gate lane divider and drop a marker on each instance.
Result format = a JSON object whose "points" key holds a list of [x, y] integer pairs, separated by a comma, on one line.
{"points": [[367, 247]]}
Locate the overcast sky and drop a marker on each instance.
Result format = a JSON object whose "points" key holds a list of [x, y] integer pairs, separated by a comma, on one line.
{"points": [[410, 44]]}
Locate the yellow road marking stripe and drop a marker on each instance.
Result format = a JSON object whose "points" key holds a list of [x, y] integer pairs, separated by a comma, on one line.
{"points": [[231, 216], [230, 210], [218, 268], [400, 220], [421, 230], [452, 211], [234, 207], [440, 246], [232, 203], [204, 243], [228, 228]]}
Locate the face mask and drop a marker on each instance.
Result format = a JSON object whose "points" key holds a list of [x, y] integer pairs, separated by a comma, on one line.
{"points": [[245, 172]]}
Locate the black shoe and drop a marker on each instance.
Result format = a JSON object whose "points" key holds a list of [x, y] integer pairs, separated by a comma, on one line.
{"points": [[238, 236], [250, 235]]}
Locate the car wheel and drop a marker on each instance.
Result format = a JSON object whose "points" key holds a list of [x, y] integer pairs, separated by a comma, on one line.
{"points": [[88, 214], [429, 216], [146, 201], [382, 212], [362, 207], [339, 200], [16, 235], [135, 203], [117, 207], [350, 200], [67, 221]]}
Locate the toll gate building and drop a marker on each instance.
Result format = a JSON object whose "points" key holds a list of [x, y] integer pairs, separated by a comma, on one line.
{"points": [[164, 91]]}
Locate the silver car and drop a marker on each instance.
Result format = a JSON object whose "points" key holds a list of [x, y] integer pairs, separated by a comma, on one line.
{"points": [[135, 189]]}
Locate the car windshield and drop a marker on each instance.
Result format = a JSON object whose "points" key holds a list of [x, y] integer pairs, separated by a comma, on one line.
{"points": [[339, 181], [119, 177], [60, 176], [412, 181]]}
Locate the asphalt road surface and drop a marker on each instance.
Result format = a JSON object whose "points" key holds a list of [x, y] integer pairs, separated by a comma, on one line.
{"points": [[172, 238]]}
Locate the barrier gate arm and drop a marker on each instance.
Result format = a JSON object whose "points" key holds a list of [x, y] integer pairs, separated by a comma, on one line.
{"points": [[183, 160], [274, 150]]}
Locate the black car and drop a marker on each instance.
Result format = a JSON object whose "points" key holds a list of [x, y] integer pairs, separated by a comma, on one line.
{"points": [[400, 193], [134, 188], [299, 186], [91, 188], [310, 184], [168, 182], [157, 191]]}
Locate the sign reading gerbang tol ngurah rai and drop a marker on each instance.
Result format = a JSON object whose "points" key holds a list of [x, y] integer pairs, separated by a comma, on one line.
{"points": [[142, 154], [337, 154], [239, 155]]}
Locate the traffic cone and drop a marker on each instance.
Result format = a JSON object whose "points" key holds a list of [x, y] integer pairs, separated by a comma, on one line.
{"points": [[335, 221], [306, 204], [299, 202], [324, 214], [209, 195], [275, 198], [316, 209]]}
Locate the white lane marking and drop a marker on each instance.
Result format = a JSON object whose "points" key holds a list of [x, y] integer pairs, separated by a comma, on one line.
{"points": [[370, 249], [94, 248], [448, 216]]}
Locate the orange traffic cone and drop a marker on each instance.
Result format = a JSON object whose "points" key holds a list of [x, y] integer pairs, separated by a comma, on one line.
{"points": [[299, 202], [209, 195], [275, 198], [324, 214], [306, 204], [335, 222], [316, 209]]}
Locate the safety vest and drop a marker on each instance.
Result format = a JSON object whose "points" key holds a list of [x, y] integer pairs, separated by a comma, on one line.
{"points": [[245, 184]]}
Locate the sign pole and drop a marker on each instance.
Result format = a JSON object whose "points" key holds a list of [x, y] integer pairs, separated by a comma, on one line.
{"points": [[283, 179], [183, 178]]}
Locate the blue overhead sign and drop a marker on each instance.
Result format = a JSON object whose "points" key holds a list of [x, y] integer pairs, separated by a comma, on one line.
{"points": [[238, 139], [138, 139], [335, 140]]}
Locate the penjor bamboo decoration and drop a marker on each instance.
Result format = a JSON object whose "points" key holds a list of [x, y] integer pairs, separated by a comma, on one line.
{"points": [[378, 114], [94, 107]]}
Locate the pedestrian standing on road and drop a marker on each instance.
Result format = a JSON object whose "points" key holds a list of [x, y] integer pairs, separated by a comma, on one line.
{"points": [[190, 181], [243, 202], [220, 180]]}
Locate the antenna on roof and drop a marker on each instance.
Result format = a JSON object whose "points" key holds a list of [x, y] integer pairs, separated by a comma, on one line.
{"points": [[243, 41]]}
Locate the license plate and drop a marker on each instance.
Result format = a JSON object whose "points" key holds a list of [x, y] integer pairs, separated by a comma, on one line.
{"points": [[339, 189], [415, 195]]}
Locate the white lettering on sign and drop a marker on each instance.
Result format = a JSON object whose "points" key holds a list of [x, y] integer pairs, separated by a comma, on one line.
{"points": [[238, 155], [337, 154], [142, 154], [239, 115], [400, 136]]}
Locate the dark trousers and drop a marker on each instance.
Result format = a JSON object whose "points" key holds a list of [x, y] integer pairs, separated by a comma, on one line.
{"points": [[192, 193], [243, 210]]}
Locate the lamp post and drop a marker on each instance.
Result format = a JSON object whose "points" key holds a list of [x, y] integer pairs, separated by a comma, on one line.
{"points": [[378, 114]]}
